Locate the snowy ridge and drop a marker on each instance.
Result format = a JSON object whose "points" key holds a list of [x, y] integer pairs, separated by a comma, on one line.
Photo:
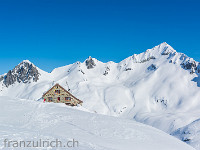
{"points": [[159, 87], [156, 52]]}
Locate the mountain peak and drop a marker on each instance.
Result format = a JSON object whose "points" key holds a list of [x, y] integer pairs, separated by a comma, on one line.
{"points": [[155, 52], [23, 72], [89, 58], [165, 49], [90, 62], [161, 49], [26, 61], [164, 43]]}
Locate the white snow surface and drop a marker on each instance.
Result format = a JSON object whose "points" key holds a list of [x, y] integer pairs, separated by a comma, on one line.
{"points": [[152, 88], [26, 120], [190, 134]]}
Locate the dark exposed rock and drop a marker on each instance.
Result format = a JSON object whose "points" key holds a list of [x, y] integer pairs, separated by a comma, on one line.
{"points": [[152, 57], [1, 78], [192, 66], [165, 53], [162, 101], [24, 72], [82, 71], [145, 60], [127, 69], [90, 63], [9, 78], [189, 65], [106, 71], [186, 140], [198, 70], [152, 67]]}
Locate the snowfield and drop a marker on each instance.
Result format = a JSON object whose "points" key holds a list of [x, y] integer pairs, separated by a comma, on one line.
{"points": [[190, 134], [26, 120], [159, 87]]}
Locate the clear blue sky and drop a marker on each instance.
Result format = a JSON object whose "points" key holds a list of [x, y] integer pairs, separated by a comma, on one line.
{"points": [[53, 33]]}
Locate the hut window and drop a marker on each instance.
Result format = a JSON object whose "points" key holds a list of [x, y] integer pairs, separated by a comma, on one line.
{"points": [[50, 98], [57, 91], [58, 98], [67, 98]]}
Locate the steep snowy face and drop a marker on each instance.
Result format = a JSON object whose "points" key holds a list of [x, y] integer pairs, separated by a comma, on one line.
{"points": [[24, 72]]}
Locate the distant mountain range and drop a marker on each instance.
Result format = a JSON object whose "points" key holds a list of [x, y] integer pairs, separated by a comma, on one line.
{"points": [[159, 87]]}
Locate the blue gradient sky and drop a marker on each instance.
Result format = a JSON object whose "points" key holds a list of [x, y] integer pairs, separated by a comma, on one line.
{"points": [[56, 33]]}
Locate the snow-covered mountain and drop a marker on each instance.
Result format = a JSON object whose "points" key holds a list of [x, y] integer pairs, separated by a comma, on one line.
{"points": [[159, 87], [24, 72]]}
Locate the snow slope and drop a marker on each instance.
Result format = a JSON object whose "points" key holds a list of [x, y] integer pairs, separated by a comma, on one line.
{"points": [[159, 87], [26, 120], [190, 134]]}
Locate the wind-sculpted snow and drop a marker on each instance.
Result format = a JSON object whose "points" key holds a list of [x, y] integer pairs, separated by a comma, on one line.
{"points": [[159, 87], [26, 120]]}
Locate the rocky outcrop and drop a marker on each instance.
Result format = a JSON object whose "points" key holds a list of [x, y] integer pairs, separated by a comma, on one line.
{"points": [[198, 68], [165, 53], [24, 72], [1, 78], [152, 67], [106, 71], [127, 69], [145, 60], [90, 63], [192, 66]]}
